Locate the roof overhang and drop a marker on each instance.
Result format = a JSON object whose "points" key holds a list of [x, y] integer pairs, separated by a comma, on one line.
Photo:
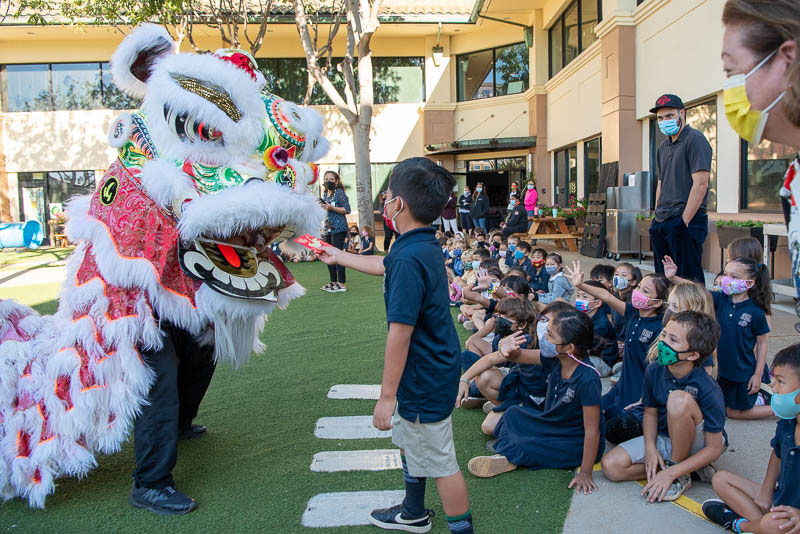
{"points": [[481, 145]]}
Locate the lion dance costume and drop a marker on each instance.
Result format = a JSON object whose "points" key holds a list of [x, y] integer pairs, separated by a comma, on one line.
{"points": [[212, 169]]}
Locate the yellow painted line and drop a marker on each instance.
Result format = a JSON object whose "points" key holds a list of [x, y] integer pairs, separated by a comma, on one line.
{"points": [[690, 505]]}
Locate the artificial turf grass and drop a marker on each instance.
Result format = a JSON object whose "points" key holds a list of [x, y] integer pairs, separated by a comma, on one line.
{"points": [[43, 255], [251, 471]]}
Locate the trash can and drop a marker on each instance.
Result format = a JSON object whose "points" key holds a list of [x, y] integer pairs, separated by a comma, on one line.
{"points": [[21, 234]]}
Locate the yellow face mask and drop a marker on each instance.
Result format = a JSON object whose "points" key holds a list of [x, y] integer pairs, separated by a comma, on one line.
{"points": [[746, 122]]}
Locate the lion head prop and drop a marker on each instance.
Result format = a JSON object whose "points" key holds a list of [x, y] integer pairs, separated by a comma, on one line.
{"points": [[212, 170]]}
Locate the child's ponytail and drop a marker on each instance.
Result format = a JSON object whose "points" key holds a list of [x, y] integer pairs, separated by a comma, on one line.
{"points": [[761, 292]]}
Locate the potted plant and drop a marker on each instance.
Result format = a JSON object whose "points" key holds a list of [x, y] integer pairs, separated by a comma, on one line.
{"points": [[728, 231], [643, 223], [578, 211]]}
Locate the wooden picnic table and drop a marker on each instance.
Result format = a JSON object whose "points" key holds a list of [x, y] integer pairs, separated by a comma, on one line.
{"points": [[554, 228]]}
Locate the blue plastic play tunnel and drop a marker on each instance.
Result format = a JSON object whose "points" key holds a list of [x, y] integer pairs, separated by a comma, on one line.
{"points": [[21, 234]]}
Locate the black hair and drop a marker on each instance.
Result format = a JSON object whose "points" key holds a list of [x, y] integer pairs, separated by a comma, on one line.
{"points": [[482, 253], [636, 273], [558, 306], [556, 257], [602, 270], [336, 176], [761, 292], [541, 251], [449, 234], [594, 283], [524, 246], [517, 284], [576, 328], [662, 286], [514, 194], [443, 240], [489, 263], [789, 357], [702, 333], [424, 186], [495, 272]]}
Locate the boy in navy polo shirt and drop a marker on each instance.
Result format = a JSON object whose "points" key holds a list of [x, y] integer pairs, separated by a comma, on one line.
{"points": [[604, 352], [423, 356], [774, 505], [684, 413], [523, 261]]}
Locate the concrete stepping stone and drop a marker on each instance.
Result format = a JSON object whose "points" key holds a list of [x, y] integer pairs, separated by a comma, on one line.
{"points": [[346, 509], [355, 391], [349, 427], [372, 460]]}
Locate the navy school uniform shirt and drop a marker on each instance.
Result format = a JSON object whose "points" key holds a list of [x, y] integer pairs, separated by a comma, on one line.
{"points": [[787, 490], [565, 399], [539, 279], [510, 261], [659, 383], [640, 332], [415, 293], [528, 268], [365, 243], [604, 338], [740, 325]]}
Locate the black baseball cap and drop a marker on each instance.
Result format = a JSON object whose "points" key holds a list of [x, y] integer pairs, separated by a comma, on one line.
{"points": [[668, 101]]}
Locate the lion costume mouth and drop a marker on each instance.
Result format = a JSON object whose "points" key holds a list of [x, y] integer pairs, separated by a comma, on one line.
{"points": [[243, 266]]}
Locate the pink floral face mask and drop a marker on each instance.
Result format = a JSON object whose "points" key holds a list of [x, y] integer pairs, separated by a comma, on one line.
{"points": [[733, 286], [640, 301]]}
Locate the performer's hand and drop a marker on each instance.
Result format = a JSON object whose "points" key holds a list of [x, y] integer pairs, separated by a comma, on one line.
{"points": [[382, 415], [329, 255]]}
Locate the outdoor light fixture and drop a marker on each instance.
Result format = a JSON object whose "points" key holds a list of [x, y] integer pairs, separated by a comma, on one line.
{"points": [[438, 51]]}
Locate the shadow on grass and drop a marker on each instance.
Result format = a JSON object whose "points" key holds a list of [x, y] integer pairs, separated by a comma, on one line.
{"points": [[46, 308]]}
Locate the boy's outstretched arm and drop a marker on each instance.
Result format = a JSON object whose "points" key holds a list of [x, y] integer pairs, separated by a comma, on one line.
{"points": [[397, 343], [576, 277], [366, 264]]}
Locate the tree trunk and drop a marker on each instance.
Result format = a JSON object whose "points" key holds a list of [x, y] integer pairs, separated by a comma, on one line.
{"points": [[364, 196]]}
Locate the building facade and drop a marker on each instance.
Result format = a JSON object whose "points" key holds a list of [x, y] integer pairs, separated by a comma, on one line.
{"points": [[494, 90]]}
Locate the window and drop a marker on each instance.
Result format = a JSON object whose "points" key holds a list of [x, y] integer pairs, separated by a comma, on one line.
{"points": [[495, 72], [380, 179], [763, 167], [573, 32], [40, 191], [395, 79], [566, 178], [62, 86], [702, 117], [592, 158]]}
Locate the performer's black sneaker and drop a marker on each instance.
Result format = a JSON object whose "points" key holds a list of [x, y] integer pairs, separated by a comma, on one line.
{"points": [[716, 511], [192, 431], [163, 501], [393, 519]]}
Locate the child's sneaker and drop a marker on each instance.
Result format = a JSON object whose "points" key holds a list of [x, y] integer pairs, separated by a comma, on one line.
{"points": [[705, 474], [716, 511], [490, 466], [468, 325], [473, 403], [488, 406], [676, 489], [392, 519]]}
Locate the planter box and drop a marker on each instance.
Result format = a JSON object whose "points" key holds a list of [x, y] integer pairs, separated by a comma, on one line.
{"points": [[643, 225], [727, 234]]}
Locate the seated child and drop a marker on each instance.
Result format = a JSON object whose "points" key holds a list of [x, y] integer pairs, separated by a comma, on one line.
{"points": [[604, 350], [717, 285], [604, 274], [513, 314], [478, 304], [774, 505], [295, 254], [512, 248], [626, 278], [480, 239], [684, 413], [540, 277], [558, 285], [742, 308], [354, 241], [367, 241], [496, 240], [568, 431], [489, 292], [642, 318], [521, 256]]}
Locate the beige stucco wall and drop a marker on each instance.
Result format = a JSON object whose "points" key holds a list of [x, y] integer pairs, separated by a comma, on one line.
{"points": [[574, 100], [678, 45], [503, 116]]}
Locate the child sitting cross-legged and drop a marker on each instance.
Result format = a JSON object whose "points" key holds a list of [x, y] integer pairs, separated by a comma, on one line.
{"points": [[773, 506], [604, 350], [568, 431], [367, 241], [539, 277], [684, 413], [558, 285]]}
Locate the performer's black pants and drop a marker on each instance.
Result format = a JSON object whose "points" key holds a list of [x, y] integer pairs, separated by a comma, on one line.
{"points": [[183, 371]]}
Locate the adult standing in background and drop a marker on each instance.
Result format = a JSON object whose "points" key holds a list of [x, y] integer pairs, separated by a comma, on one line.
{"points": [[336, 203], [680, 226], [449, 212], [761, 57], [464, 203], [480, 207], [531, 197]]}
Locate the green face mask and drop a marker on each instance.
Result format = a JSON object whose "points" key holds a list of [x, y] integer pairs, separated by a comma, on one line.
{"points": [[666, 354]]}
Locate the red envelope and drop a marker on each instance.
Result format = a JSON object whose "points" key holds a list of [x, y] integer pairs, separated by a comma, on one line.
{"points": [[309, 241]]}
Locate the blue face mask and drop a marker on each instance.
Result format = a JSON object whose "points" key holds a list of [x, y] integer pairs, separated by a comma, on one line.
{"points": [[670, 127], [620, 282], [546, 349], [551, 269], [476, 264], [518, 255], [784, 406], [512, 248]]}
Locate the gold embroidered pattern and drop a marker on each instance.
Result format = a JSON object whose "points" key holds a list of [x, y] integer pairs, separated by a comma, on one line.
{"points": [[216, 96]]}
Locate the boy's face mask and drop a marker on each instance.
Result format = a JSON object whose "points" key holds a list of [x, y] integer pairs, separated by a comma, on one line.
{"points": [[784, 406], [583, 305], [519, 255], [666, 354], [475, 264], [537, 263], [620, 282], [502, 327], [512, 247]]}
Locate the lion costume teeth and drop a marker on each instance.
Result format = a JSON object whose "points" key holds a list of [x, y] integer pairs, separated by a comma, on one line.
{"points": [[179, 231]]}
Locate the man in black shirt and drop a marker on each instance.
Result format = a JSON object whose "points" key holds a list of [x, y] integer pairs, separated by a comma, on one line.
{"points": [[680, 225]]}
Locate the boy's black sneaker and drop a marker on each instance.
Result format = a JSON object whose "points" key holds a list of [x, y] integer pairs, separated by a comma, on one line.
{"points": [[393, 519], [716, 510], [163, 501]]}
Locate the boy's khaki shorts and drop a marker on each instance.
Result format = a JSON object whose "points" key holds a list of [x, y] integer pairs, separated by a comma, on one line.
{"points": [[428, 447]]}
